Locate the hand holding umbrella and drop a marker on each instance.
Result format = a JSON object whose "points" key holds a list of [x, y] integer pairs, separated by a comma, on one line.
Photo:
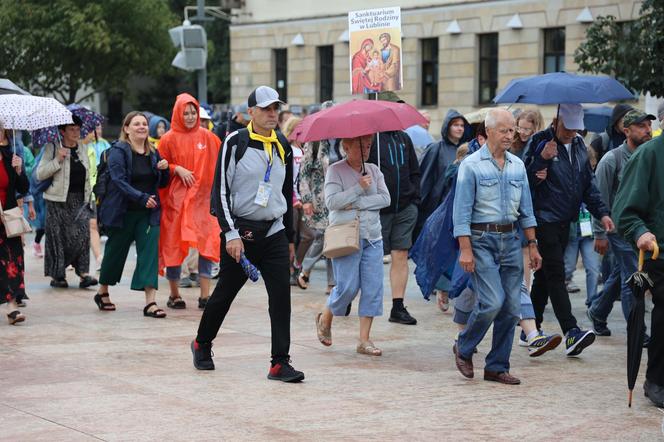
{"points": [[249, 269], [640, 283]]}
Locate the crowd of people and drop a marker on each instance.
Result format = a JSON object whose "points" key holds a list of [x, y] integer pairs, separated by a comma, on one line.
{"points": [[524, 198]]}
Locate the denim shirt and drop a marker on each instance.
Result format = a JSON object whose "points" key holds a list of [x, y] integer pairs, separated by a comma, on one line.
{"points": [[486, 194]]}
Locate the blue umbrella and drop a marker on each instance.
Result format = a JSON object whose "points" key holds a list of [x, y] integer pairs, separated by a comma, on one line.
{"points": [[597, 119], [561, 88]]}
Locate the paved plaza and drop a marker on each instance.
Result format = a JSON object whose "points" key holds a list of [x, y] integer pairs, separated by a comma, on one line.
{"points": [[74, 373]]}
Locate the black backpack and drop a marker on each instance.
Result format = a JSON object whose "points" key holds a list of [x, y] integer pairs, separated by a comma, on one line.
{"points": [[103, 178]]}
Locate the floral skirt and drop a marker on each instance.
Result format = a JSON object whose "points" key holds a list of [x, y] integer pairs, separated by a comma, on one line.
{"points": [[12, 284]]}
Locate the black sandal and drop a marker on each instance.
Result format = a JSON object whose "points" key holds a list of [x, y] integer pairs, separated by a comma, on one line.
{"points": [[303, 281], [15, 317], [104, 306], [176, 303], [156, 313]]}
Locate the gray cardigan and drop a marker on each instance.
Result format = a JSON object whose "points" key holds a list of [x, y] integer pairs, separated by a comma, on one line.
{"points": [[345, 198]]}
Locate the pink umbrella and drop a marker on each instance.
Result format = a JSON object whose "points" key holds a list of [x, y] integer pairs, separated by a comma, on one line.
{"points": [[356, 118]]}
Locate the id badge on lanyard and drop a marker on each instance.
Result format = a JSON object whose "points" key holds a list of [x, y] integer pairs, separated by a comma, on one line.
{"points": [[264, 187], [585, 224]]}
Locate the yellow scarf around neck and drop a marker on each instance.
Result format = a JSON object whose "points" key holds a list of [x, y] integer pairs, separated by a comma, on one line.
{"points": [[267, 143]]}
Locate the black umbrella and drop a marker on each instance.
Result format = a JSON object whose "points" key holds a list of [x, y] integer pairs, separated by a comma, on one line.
{"points": [[640, 282]]}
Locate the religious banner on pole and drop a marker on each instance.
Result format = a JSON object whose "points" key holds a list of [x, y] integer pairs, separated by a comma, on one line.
{"points": [[375, 50]]}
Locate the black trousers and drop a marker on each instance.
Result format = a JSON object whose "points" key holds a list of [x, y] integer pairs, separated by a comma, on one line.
{"points": [[655, 373], [549, 281], [271, 256]]}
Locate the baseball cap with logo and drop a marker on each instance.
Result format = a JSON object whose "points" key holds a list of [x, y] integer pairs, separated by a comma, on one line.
{"points": [[263, 96], [571, 116], [635, 117]]}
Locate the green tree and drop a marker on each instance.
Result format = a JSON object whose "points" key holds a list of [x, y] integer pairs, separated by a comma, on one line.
{"points": [[60, 47], [629, 51]]}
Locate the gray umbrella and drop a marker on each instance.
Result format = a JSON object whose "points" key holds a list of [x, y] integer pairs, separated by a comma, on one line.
{"points": [[8, 87]]}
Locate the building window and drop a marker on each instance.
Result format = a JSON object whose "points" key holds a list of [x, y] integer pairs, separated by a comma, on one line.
{"points": [[429, 71], [488, 78], [554, 50], [325, 73], [281, 72]]}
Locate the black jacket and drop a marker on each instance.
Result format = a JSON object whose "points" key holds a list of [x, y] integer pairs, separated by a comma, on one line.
{"points": [[612, 137], [399, 165], [18, 184], [119, 192], [569, 182], [434, 163]]}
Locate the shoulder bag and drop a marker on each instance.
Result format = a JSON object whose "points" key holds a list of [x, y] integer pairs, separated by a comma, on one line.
{"points": [[342, 239], [14, 222]]}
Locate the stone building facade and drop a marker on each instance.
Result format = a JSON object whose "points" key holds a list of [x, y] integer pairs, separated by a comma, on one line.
{"points": [[281, 40]]}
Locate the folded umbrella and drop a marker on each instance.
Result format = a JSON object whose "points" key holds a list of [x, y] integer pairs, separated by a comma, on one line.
{"points": [[640, 283], [563, 87]]}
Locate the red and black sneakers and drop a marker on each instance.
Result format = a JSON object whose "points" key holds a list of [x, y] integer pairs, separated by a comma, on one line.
{"points": [[202, 355], [283, 371]]}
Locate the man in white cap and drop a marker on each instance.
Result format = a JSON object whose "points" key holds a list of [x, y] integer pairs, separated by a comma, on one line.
{"points": [[252, 198], [557, 199]]}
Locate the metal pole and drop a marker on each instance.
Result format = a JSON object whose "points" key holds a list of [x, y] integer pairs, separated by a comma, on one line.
{"points": [[200, 10], [202, 86]]}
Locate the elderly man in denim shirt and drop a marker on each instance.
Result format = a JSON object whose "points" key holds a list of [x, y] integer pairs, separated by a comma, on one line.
{"points": [[492, 195]]}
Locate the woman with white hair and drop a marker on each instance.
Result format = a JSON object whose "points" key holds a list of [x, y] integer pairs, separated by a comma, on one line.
{"points": [[356, 189]]}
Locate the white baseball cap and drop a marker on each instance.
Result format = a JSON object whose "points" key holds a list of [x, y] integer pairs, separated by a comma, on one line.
{"points": [[204, 114], [263, 96], [572, 116]]}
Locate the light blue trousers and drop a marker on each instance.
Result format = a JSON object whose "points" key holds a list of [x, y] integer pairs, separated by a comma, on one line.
{"points": [[363, 270]]}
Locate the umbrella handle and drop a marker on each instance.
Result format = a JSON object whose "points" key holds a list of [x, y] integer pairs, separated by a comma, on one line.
{"points": [[642, 255]]}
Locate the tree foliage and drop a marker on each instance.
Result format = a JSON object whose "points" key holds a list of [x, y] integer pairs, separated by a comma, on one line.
{"points": [[629, 51], [60, 47]]}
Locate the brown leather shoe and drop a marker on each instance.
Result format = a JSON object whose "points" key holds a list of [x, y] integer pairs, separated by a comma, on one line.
{"points": [[465, 366], [503, 377]]}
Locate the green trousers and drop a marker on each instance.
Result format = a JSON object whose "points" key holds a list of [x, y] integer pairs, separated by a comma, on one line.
{"points": [[136, 228]]}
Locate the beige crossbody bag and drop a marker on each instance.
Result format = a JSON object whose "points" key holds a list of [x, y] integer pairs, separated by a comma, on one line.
{"points": [[14, 222], [342, 239]]}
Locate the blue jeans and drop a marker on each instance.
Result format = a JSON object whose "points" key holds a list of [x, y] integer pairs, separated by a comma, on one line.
{"points": [[204, 270], [585, 245], [497, 279], [625, 263], [465, 302], [363, 270]]}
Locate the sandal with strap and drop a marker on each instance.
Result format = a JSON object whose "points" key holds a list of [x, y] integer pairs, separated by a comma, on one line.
{"points": [[104, 306], [324, 334], [176, 303], [367, 348], [303, 281], [15, 317], [156, 313]]}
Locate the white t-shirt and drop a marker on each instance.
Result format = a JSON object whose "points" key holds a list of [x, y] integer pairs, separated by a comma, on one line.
{"points": [[569, 150]]}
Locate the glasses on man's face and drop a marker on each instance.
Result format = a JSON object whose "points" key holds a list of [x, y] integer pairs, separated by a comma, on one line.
{"points": [[506, 131], [524, 130]]}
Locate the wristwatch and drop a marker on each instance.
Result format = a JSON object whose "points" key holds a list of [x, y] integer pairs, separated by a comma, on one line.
{"points": [[532, 241]]}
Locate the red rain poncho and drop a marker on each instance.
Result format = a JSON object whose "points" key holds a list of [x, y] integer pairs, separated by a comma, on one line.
{"points": [[185, 216]]}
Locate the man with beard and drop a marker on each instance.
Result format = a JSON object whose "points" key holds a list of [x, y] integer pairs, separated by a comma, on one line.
{"points": [[638, 130]]}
